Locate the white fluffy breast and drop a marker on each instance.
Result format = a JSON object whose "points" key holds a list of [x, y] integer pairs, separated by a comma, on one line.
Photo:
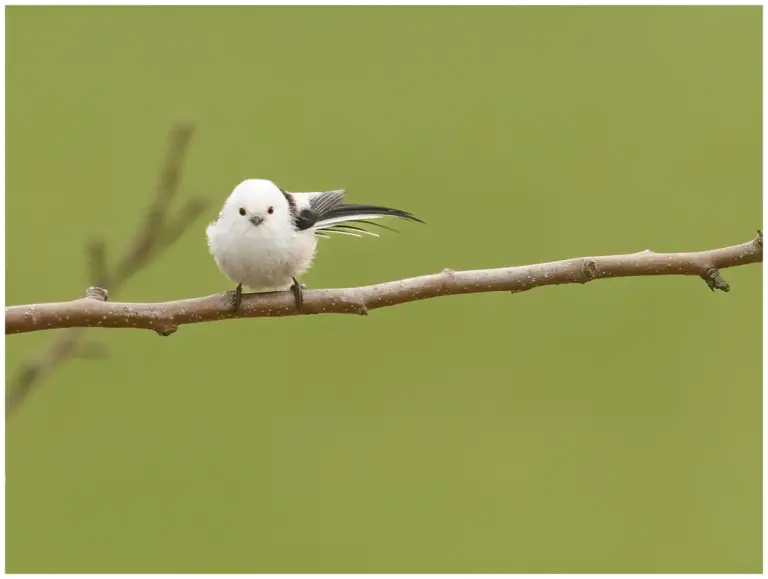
{"points": [[261, 258]]}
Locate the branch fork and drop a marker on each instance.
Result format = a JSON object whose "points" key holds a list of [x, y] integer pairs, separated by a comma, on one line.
{"points": [[161, 227]]}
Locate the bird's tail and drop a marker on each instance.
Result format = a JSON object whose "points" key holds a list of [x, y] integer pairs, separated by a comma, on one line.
{"points": [[337, 219]]}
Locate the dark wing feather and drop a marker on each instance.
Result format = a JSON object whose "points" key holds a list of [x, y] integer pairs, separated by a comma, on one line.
{"points": [[319, 204], [325, 202]]}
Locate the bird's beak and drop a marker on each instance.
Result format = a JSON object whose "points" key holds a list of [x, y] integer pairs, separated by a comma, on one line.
{"points": [[256, 220]]}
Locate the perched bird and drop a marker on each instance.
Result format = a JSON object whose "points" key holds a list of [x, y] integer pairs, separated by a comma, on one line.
{"points": [[265, 237]]}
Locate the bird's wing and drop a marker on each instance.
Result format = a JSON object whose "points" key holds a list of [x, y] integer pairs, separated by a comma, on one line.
{"points": [[325, 212]]}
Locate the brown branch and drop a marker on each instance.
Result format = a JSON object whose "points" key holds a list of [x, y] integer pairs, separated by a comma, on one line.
{"points": [[155, 234], [165, 318]]}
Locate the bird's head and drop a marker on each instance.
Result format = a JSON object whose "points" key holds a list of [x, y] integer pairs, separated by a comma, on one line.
{"points": [[255, 204]]}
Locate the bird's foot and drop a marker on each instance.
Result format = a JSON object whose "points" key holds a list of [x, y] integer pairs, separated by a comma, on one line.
{"points": [[236, 297], [298, 295]]}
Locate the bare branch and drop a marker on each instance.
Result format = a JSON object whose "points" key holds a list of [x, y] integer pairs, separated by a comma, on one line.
{"points": [[165, 318], [174, 229], [145, 243], [154, 235], [35, 369]]}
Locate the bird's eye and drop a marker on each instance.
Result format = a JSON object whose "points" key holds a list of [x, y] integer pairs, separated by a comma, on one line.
{"points": [[271, 210], [242, 211]]}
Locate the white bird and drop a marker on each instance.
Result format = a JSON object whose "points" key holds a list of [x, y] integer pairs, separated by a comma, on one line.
{"points": [[265, 237]]}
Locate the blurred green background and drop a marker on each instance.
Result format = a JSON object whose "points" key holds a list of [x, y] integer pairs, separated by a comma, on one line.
{"points": [[612, 427]]}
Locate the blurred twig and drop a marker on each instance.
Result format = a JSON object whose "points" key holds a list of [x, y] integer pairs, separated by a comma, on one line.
{"points": [[165, 318], [160, 228]]}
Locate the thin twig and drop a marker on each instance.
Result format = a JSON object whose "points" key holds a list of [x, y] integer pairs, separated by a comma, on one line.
{"points": [[145, 243], [155, 234], [165, 318]]}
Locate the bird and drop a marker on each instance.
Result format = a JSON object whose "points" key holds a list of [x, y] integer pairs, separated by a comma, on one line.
{"points": [[265, 237]]}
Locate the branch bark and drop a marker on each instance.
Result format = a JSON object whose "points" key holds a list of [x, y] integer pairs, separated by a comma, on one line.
{"points": [[165, 318]]}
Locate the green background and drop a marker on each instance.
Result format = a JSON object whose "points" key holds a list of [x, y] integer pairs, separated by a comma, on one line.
{"points": [[611, 427]]}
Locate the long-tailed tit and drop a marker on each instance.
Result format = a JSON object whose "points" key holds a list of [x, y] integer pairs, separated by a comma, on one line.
{"points": [[265, 237]]}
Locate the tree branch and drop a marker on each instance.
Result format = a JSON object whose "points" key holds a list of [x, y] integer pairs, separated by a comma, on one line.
{"points": [[156, 233], [165, 318]]}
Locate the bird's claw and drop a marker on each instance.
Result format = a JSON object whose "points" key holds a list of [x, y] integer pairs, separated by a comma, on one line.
{"points": [[236, 297], [298, 294]]}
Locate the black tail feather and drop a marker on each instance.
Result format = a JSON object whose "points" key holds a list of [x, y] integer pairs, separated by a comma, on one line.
{"points": [[354, 209]]}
